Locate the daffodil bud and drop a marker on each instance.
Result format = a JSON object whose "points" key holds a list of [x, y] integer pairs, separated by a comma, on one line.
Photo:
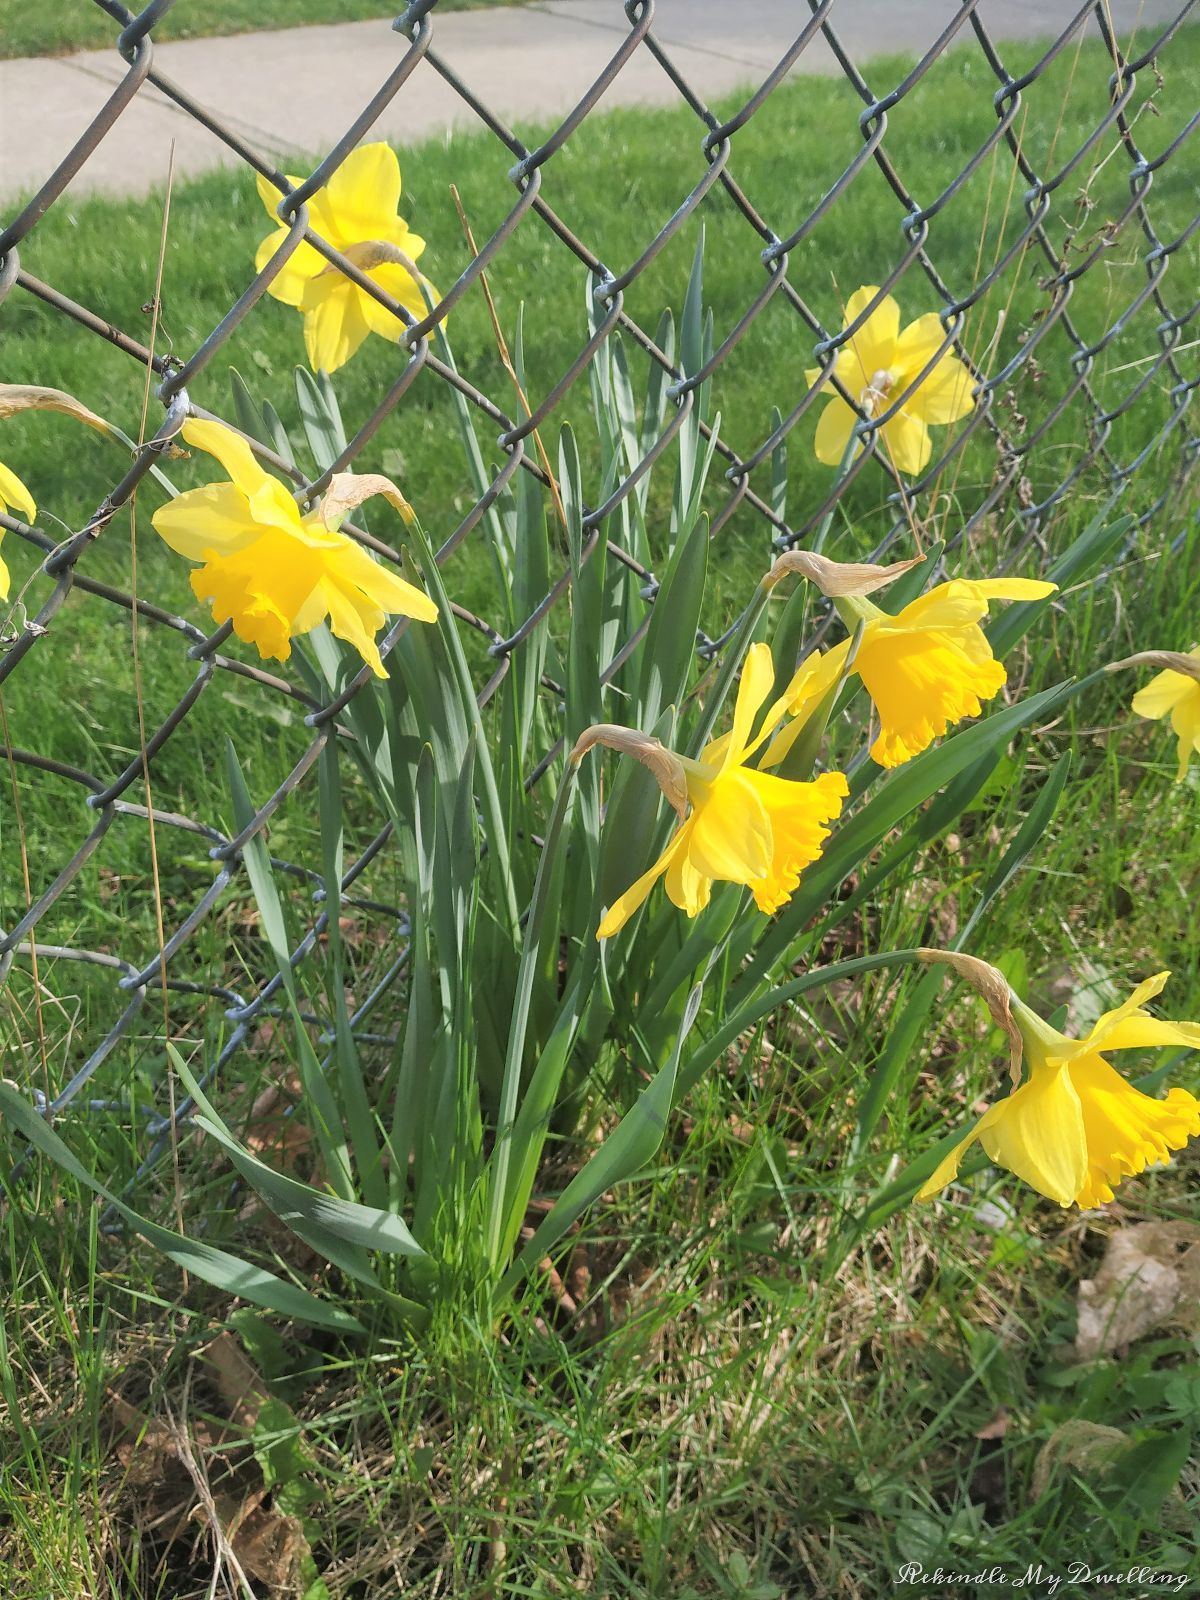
{"points": [[349, 489], [666, 768], [991, 983], [367, 254], [17, 397], [1165, 660], [837, 579]]}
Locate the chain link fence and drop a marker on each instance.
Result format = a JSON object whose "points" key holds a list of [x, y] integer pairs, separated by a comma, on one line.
{"points": [[1075, 437]]}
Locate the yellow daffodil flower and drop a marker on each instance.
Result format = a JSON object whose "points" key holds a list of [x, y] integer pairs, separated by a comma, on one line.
{"points": [[741, 826], [356, 213], [1075, 1127], [274, 572], [13, 496], [931, 665], [1179, 694], [877, 364]]}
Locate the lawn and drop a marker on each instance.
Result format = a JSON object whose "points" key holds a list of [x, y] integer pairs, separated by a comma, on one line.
{"points": [[61, 26], [715, 1418]]}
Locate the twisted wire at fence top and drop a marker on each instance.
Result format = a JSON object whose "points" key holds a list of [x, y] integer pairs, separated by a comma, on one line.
{"points": [[414, 30]]}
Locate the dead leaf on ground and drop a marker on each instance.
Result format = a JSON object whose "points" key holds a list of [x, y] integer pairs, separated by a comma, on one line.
{"points": [[143, 1445], [1150, 1276], [272, 1132], [241, 1385], [1086, 1448], [268, 1544]]}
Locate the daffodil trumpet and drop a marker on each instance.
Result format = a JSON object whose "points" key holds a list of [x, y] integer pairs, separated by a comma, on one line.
{"points": [[1074, 1128], [736, 824], [274, 572]]}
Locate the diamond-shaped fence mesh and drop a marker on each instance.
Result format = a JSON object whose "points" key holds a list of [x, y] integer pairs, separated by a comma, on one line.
{"points": [[1075, 393]]}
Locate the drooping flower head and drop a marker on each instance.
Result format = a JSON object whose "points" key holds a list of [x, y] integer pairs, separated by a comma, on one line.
{"points": [[930, 665], [356, 212], [1074, 1128], [274, 572], [876, 365], [737, 825], [13, 496], [1176, 693]]}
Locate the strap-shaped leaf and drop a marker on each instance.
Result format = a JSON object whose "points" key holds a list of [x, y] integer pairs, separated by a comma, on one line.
{"points": [[322, 425], [626, 1150], [217, 1267], [319, 1218]]}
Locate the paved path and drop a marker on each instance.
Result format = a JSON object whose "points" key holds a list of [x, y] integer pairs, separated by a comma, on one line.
{"points": [[297, 90]]}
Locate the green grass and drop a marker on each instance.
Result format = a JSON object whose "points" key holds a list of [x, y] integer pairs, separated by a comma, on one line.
{"points": [[713, 1420], [65, 25]]}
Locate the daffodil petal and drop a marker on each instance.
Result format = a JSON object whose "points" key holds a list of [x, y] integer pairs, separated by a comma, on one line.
{"points": [[754, 685], [1150, 1033], [364, 191], [268, 502], [917, 344], [1103, 1027], [1162, 694], [390, 592], [1013, 588], [811, 682], [687, 886], [355, 619], [200, 522], [1038, 1133], [1185, 720], [906, 440], [624, 906], [402, 286], [270, 195], [946, 395], [833, 431], [873, 346], [947, 606], [334, 324], [290, 282], [947, 1168], [14, 493], [230, 449]]}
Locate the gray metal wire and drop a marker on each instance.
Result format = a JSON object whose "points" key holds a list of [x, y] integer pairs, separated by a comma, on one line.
{"points": [[136, 973]]}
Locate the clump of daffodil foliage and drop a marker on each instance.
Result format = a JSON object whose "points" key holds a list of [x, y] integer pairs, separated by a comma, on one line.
{"points": [[617, 856]]}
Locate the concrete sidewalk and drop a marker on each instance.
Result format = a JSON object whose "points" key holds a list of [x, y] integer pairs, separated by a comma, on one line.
{"points": [[297, 90]]}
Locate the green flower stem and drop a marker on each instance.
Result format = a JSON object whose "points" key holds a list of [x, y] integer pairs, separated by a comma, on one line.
{"points": [[741, 639], [843, 471], [754, 1010], [494, 811], [510, 1086]]}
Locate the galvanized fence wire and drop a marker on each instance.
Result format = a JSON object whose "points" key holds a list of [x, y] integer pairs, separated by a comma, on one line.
{"points": [[138, 973]]}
